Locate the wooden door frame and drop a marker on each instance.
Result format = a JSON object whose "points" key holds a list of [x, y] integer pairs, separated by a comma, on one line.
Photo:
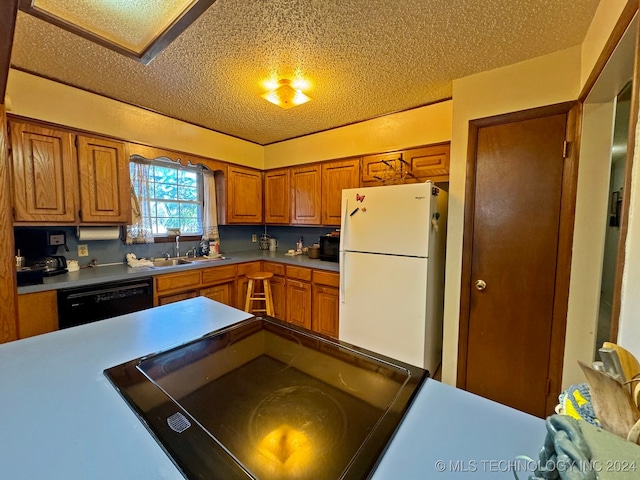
{"points": [[565, 239], [626, 190], [8, 282]]}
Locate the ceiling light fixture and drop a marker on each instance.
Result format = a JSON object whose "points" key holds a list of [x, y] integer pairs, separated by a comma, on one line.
{"points": [[285, 95]]}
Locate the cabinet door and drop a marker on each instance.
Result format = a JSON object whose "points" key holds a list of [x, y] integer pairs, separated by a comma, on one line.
{"points": [[105, 191], [37, 313], [44, 174], [222, 293], [276, 196], [244, 195], [279, 294], [299, 303], [337, 176], [326, 302], [305, 195], [242, 282], [428, 163], [377, 168]]}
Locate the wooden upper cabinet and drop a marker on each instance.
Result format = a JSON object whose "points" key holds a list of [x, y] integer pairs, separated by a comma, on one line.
{"points": [[305, 195], [244, 195], [428, 163], [375, 168], [44, 174], [277, 196], [416, 164], [337, 176], [105, 192]]}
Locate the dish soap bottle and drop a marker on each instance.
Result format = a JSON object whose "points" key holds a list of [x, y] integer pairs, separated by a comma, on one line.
{"points": [[299, 245]]}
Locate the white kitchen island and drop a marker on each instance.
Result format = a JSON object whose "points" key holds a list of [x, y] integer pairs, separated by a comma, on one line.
{"points": [[62, 418]]}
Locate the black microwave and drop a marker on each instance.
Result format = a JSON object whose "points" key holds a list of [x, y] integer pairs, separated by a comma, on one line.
{"points": [[329, 248]]}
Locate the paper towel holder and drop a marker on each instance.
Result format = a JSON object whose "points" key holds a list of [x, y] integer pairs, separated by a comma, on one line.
{"points": [[97, 233]]}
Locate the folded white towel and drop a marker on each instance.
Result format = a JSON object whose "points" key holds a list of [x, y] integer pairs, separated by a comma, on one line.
{"points": [[133, 261]]}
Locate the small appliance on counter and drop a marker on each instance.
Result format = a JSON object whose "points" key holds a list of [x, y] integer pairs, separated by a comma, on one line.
{"points": [[264, 241], [329, 247], [40, 248]]}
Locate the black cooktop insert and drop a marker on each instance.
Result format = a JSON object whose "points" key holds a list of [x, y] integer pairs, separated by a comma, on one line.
{"points": [[263, 399]]}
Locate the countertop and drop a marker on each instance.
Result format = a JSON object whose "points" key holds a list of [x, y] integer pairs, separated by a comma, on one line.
{"points": [[112, 273], [62, 419]]}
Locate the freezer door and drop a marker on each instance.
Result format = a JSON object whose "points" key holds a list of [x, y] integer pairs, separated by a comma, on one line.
{"points": [[383, 302], [394, 219]]}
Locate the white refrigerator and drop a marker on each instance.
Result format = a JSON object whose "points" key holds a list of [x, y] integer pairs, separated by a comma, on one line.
{"points": [[392, 249]]}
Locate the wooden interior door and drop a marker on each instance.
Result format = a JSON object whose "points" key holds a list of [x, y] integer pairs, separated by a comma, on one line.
{"points": [[511, 251]]}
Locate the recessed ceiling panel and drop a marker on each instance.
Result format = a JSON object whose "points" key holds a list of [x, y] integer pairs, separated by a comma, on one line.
{"points": [[131, 27]]}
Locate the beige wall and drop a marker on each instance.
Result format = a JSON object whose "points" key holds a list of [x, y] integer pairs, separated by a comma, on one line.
{"points": [[42, 99], [542, 81], [420, 126]]}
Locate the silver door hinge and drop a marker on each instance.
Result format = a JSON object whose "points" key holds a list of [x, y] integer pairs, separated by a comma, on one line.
{"points": [[566, 146]]}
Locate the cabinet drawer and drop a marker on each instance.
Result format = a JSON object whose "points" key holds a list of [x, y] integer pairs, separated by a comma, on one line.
{"points": [[275, 268], [300, 273], [174, 281], [217, 274], [177, 297], [323, 277], [245, 268]]}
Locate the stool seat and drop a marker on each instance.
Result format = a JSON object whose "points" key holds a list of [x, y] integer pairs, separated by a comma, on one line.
{"points": [[259, 275], [265, 296]]}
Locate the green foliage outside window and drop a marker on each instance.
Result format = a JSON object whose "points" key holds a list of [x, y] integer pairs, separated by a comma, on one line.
{"points": [[175, 199]]}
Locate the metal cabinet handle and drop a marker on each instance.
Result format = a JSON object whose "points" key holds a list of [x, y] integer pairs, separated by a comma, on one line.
{"points": [[481, 285]]}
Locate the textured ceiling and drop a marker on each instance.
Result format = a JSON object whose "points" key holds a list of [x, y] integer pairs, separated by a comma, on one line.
{"points": [[363, 58]]}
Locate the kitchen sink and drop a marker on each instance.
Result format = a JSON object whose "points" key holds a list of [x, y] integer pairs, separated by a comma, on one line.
{"points": [[171, 262]]}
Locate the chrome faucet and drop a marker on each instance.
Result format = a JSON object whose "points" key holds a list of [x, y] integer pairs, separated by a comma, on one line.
{"points": [[177, 245], [191, 252]]}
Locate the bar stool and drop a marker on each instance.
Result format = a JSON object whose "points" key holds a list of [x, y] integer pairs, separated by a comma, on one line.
{"points": [[265, 297]]}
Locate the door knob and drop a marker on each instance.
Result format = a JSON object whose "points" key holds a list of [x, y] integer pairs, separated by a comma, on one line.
{"points": [[481, 285]]}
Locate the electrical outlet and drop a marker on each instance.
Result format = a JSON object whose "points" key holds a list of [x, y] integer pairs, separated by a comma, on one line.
{"points": [[83, 250], [254, 237]]}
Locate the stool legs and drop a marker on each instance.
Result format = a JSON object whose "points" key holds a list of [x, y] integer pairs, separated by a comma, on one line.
{"points": [[248, 302], [265, 297], [268, 297]]}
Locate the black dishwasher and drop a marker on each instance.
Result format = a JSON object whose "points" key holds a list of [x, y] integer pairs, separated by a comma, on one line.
{"points": [[80, 305]]}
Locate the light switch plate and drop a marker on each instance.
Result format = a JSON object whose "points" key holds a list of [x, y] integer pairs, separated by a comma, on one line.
{"points": [[83, 250], [254, 237]]}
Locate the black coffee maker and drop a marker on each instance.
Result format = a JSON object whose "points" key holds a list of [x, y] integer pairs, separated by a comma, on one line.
{"points": [[40, 248]]}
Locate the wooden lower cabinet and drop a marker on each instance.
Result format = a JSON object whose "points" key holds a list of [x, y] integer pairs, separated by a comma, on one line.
{"points": [[37, 313], [299, 303], [326, 303], [222, 293], [176, 297], [278, 288], [242, 282]]}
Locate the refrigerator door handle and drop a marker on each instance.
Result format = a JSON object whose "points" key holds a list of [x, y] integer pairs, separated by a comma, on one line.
{"points": [[343, 272], [343, 256]]}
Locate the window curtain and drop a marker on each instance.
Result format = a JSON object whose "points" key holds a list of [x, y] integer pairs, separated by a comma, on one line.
{"points": [[210, 214], [141, 229]]}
